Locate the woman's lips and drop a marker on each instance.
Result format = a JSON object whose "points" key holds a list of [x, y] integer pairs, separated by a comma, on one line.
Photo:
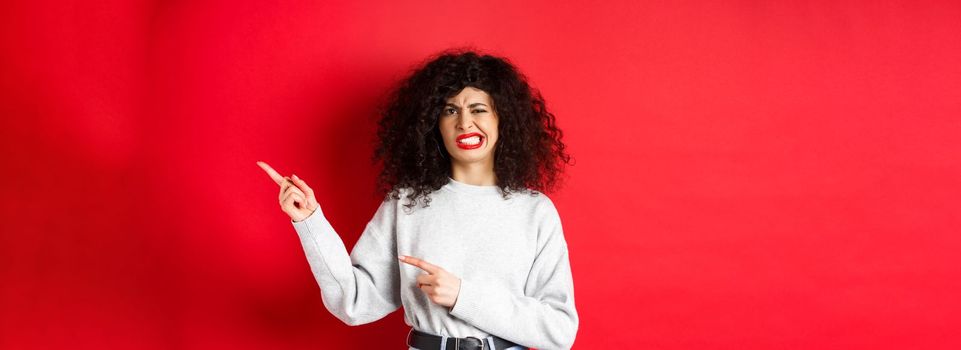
{"points": [[480, 141]]}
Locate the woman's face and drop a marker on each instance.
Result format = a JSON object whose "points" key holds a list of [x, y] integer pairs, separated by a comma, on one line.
{"points": [[468, 125]]}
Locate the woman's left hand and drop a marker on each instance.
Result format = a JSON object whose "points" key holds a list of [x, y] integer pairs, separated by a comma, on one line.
{"points": [[441, 286]]}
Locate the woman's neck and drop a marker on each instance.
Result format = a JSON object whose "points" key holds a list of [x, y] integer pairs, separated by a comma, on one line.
{"points": [[478, 174]]}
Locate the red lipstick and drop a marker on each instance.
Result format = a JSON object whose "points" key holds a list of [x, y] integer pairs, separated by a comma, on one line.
{"points": [[460, 138]]}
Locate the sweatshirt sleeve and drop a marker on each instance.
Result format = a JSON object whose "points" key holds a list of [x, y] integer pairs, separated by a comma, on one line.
{"points": [[543, 318], [361, 287]]}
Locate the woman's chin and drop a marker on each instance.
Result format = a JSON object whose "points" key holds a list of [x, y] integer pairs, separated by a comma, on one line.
{"points": [[464, 159]]}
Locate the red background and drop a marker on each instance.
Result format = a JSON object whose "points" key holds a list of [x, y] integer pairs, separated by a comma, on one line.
{"points": [[751, 174]]}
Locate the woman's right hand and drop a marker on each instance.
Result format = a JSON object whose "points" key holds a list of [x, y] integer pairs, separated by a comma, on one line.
{"points": [[296, 198]]}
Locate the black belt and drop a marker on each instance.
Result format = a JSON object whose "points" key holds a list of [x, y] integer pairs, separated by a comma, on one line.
{"points": [[427, 341]]}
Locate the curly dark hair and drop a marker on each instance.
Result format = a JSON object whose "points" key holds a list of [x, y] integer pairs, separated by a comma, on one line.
{"points": [[528, 156]]}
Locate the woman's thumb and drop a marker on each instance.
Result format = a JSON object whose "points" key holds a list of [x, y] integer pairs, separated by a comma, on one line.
{"points": [[311, 202]]}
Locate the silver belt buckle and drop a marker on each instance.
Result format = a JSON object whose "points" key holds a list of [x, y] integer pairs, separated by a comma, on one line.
{"points": [[480, 341]]}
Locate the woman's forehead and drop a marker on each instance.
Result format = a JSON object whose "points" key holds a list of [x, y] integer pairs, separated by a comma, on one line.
{"points": [[469, 95]]}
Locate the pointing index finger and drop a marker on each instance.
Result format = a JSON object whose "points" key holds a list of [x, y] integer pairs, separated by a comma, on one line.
{"points": [[272, 173], [423, 265]]}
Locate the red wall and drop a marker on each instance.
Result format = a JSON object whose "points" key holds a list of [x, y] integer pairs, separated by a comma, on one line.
{"points": [[749, 175]]}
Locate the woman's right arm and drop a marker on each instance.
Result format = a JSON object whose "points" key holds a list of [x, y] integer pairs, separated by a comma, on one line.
{"points": [[358, 288]]}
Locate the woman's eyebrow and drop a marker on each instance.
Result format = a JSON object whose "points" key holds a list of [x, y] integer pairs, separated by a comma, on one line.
{"points": [[472, 105]]}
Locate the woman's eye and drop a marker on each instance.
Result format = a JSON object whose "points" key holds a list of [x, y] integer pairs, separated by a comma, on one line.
{"points": [[478, 111], [450, 111]]}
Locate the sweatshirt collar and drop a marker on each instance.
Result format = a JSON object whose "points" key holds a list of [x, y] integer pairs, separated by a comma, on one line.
{"points": [[458, 186]]}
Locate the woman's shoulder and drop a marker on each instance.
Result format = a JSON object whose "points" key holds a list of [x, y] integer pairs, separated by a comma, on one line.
{"points": [[539, 202], [399, 198], [397, 194], [534, 195]]}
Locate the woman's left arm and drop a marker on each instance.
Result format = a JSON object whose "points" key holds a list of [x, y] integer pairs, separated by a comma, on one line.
{"points": [[545, 317]]}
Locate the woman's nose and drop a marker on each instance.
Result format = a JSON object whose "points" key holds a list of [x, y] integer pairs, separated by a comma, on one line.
{"points": [[465, 122]]}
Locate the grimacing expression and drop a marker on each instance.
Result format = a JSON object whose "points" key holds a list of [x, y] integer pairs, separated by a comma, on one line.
{"points": [[468, 125]]}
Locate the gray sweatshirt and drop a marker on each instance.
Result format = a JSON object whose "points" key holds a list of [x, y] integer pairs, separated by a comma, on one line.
{"points": [[510, 255]]}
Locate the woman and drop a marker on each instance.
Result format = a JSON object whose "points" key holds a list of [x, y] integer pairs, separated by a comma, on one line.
{"points": [[483, 262]]}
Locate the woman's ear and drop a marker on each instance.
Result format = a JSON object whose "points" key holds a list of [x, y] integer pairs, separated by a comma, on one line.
{"points": [[439, 141]]}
